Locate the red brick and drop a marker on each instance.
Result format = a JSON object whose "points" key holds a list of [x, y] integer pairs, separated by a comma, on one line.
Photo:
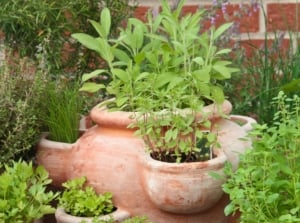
{"points": [[189, 9], [283, 16], [252, 45], [141, 12], [247, 22]]}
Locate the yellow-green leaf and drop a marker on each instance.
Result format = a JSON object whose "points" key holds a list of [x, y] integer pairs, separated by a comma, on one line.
{"points": [[92, 74], [91, 87]]}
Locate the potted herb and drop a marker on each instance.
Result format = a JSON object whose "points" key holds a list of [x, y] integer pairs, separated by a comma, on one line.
{"points": [[63, 110], [23, 193], [63, 121], [165, 99], [79, 203], [166, 71], [266, 183]]}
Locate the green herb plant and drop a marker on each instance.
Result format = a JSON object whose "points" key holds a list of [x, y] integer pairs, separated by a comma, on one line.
{"points": [[82, 201], [166, 71], [21, 98], [63, 110], [266, 183], [23, 193]]}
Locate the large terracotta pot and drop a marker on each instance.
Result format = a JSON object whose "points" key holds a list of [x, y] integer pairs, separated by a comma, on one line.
{"points": [[113, 160], [62, 217], [184, 187]]}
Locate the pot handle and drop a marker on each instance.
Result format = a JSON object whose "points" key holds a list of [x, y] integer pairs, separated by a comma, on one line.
{"points": [[245, 120]]}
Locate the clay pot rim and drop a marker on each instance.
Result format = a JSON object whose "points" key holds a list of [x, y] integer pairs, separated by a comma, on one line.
{"points": [[119, 214], [215, 163], [246, 122], [101, 115], [44, 142]]}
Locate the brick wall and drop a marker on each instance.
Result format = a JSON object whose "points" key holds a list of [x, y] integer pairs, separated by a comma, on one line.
{"points": [[276, 17]]}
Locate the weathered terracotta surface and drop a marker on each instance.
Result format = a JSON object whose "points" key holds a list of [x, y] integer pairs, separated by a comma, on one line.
{"points": [[112, 159], [54, 156], [62, 217], [231, 134], [184, 188]]}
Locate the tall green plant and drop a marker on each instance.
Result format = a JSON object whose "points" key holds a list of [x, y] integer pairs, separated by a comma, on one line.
{"points": [[158, 68], [63, 109], [266, 183], [142, 56]]}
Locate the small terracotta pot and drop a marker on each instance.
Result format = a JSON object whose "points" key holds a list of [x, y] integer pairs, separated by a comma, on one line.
{"points": [[62, 217], [55, 155], [184, 188]]}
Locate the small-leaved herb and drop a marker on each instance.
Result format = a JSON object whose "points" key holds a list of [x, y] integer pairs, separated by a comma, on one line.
{"points": [[266, 186], [83, 201]]}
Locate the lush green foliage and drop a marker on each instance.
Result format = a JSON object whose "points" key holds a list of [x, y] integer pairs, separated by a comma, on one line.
{"points": [[142, 58], [31, 102], [23, 195], [63, 110], [43, 27], [162, 65], [82, 201], [21, 96], [267, 183]]}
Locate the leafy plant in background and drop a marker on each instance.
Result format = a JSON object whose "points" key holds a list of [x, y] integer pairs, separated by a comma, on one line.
{"points": [[43, 27], [267, 182], [268, 69], [21, 98], [82, 201], [33, 103], [23, 193]]}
